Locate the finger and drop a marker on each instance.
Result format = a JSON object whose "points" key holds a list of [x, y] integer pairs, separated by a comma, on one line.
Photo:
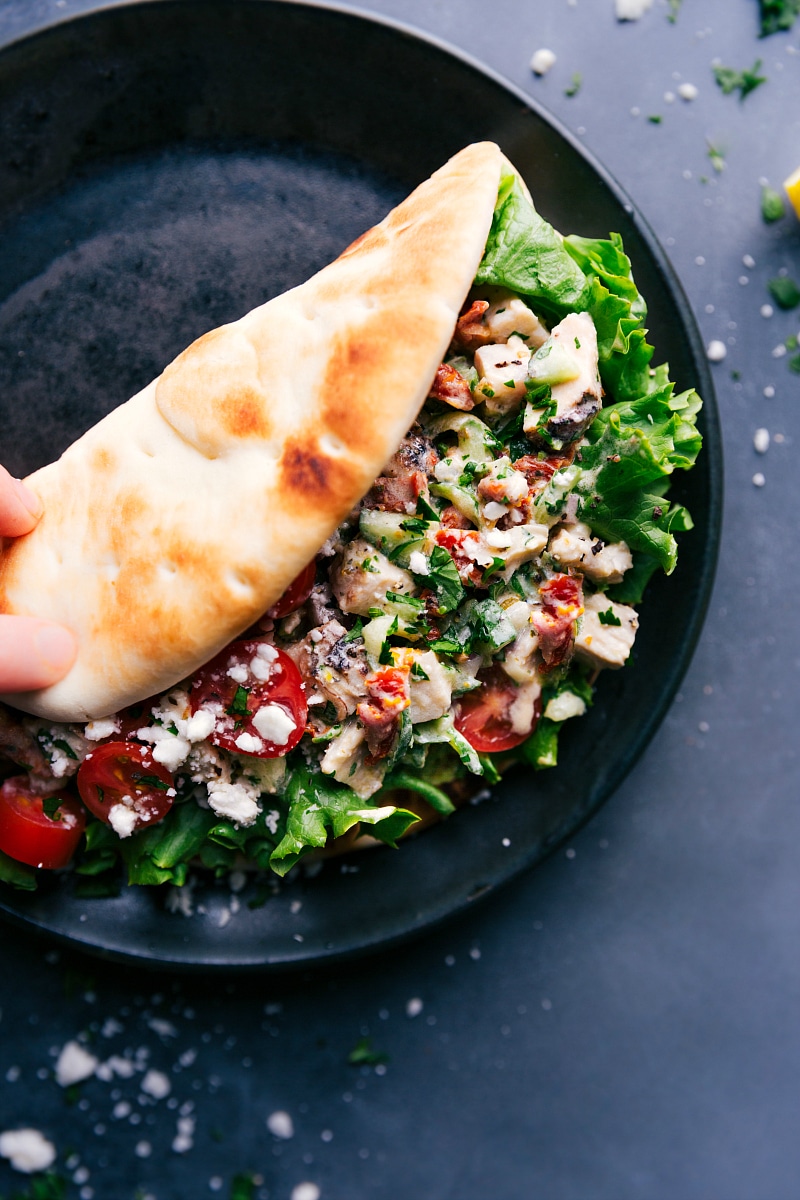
{"points": [[33, 653], [20, 509]]}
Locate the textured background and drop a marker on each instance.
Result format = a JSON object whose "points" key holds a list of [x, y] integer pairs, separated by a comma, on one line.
{"points": [[623, 1022]]}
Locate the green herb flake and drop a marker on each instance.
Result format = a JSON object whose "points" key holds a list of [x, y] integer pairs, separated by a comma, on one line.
{"points": [[674, 9], [743, 82], [784, 292], [575, 85], [418, 672], [772, 206], [355, 632], [609, 617], [362, 1054], [151, 781], [794, 364], [655, 119], [778, 15], [50, 807], [716, 157], [238, 705]]}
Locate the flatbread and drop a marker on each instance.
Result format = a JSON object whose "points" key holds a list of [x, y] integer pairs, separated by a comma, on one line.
{"points": [[176, 521]]}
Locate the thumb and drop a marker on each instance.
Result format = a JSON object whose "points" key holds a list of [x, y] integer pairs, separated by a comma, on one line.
{"points": [[33, 653]]}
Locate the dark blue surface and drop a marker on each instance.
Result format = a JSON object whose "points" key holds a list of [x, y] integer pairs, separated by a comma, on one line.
{"points": [[622, 1023]]}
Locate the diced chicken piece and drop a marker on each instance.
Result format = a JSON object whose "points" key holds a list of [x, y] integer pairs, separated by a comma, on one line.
{"points": [[331, 668], [361, 579], [503, 370], [575, 546], [578, 400], [405, 476], [502, 487], [607, 632], [565, 705], [430, 698], [518, 663], [509, 315], [415, 453], [517, 545], [344, 760]]}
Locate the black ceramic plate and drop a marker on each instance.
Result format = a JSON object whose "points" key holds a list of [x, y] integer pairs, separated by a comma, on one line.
{"points": [[170, 165]]}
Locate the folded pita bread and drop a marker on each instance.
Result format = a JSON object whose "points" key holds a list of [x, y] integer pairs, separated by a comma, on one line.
{"points": [[184, 514]]}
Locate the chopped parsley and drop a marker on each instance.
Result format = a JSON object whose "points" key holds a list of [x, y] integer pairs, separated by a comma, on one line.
{"points": [[50, 807], [238, 705], [743, 82], [575, 85], [443, 580], [716, 157], [418, 672], [778, 15], [609, 617], [674, 9], [784, 292], [772, 206], [355, 632]]}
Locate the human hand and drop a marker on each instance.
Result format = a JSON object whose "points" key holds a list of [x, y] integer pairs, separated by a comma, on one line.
{"points": [[33, 653]]}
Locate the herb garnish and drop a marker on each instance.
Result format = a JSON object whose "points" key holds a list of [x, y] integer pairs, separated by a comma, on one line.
{"points": [[743, 82], [609, 617]]}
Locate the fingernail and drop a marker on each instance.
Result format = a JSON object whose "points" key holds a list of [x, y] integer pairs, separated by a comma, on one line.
{"points": [[28, 498], [56, 648]]}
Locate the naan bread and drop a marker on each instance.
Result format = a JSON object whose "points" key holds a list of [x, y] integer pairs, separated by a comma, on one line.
{"points": [[184, 514]]}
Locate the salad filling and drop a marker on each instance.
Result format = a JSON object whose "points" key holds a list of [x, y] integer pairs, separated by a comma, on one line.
{"points": [[453, 623]]}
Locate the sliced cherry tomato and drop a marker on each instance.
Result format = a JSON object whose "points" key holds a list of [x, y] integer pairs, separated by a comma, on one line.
{"points": [[484, 716], [297, 592], [123, 785], [256, 694], [39, 831]]}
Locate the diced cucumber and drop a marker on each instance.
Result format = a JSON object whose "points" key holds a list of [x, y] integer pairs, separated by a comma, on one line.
{"points": [[475, 439], [395, 534], [552, 363]]}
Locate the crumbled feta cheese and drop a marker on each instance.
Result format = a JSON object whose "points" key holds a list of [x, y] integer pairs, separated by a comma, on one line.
{"points": [[238, 673], [280, 1125], [564, 706], [632, 10], [74, 1064], [171, 751], [761, 441], [104, 727], [27, 1150], [543, 61], [248, 744], [236, 801], [184, 1138], [716, 351], [418, 563], [260, 669], [687, 91], [156, 1084], [759, 479], [305, 1191], [200, 726], [271, 820], [267, 652], [122, 820], [274, 724], [493, 511]]}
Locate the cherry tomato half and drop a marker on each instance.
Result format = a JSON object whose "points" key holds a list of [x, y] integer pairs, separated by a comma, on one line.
{"points": [[28, 834], [297, 592], [256, 693], [125, 775], [484, 716]]}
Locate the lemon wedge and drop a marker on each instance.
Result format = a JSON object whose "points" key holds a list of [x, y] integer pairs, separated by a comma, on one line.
{"points": [[792, 186]]}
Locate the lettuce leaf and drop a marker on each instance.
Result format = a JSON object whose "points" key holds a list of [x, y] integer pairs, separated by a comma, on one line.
{"points": [[162, 854], [319, 806], [634, 447], [527, 255]]}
